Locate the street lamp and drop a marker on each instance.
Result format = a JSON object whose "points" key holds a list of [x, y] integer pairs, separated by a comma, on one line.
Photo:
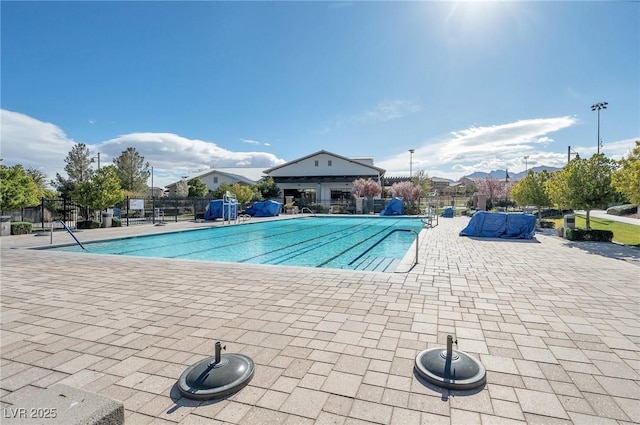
{"points": [[526, 166], [571, 152], [597, 107], [411, 151]]}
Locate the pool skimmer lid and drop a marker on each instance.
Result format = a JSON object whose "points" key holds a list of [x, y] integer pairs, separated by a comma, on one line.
{"points": [[450, 368], [216, 377]]}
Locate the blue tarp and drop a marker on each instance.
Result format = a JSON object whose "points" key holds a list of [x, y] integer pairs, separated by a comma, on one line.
{"points": [[448, 212], [501, 225], [394, 207], [264, 209], [215, 210]]}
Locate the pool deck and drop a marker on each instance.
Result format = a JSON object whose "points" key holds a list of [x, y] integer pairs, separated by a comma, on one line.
{"points": [[555, 323]]}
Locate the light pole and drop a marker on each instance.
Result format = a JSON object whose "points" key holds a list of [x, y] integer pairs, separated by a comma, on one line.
{"points": [[597, 107], [97, 156], [411, 151], [571, 152], [526, 166]]}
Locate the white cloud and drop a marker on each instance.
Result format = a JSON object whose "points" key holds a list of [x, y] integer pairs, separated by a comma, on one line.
{"points": [[37, 144], [33, 143], [250, 142], [485, 148]]}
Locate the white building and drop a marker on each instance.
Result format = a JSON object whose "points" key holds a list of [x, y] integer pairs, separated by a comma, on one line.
{"points": [[215, 177], [322, 177]]}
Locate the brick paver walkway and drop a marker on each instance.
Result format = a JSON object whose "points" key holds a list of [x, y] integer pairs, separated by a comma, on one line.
{"points": [[555, 324]]}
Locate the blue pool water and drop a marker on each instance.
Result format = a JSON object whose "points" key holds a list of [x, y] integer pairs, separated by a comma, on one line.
{"points": [[345, 243]]}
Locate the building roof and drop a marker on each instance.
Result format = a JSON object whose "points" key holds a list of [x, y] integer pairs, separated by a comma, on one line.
{"points": [[380, 171], [248, 175]]}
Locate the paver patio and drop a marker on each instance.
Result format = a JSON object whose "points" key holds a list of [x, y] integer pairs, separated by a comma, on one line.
{"points": [[555, 323]]}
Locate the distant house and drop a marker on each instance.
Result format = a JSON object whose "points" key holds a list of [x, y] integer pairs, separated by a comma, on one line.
{"points": [[215, 177], [322, 177]]}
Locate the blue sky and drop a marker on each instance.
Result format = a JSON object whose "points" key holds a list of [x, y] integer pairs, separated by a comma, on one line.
{"points": [[471, 86]]}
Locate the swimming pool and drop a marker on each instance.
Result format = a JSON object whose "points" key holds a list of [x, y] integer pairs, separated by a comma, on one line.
{"points": [[356, 243]]}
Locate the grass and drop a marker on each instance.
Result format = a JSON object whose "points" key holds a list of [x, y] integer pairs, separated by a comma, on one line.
{"points": [[627, 234]]}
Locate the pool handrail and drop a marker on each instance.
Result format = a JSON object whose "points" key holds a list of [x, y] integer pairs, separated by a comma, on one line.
{"points": [[71, 233], [313, 213], [386, 236]]}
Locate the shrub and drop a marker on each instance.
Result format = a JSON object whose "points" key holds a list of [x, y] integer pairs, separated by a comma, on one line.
{"points": [[88, 224], [546, 224], [623, 209], [116, 222], [21, 228], [588, 235]]}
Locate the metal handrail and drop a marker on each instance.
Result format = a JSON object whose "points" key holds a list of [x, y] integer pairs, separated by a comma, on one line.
{"points": [[313, 213], [71, 233], [386, 236]]}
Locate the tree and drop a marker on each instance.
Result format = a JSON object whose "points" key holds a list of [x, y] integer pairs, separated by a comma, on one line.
{"points": [[182, 188], [221, 190], [78, 169], [405, 190], [102, 191], [584, 184], [365, 188], [267, 189], [17, 190], [493, 188], [132, 171], [243, 193], [531, 190], [626, 179], [197, 188], [422, 181]]}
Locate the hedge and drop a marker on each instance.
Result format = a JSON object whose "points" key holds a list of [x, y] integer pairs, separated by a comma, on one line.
{"points": [[588, 235], [21, 228]]}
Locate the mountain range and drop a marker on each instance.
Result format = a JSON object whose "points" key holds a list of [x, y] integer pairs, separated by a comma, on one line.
{"points": [[513, 177]]}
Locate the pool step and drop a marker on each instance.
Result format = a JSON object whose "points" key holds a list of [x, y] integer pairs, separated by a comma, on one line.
{"points": [[376, 263]]}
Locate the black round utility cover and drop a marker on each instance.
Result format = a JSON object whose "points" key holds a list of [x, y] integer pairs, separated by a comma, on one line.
{"points": [[458, 372], [207, 380]]}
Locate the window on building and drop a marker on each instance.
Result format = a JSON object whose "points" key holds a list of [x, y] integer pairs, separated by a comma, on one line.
{"points": [[317, 162], [329, 163], [215, 180]]}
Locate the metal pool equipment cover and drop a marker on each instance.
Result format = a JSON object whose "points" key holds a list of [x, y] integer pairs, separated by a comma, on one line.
{"points": [[450, 369], [216, 377]]}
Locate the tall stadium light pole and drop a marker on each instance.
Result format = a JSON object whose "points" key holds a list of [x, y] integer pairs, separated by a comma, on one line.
{"points": [[597, 107], [526, 165], [411, 151]]}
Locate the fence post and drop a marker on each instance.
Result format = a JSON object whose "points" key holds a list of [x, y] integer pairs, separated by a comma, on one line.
{"points": [[127, 209], [42, 211]]}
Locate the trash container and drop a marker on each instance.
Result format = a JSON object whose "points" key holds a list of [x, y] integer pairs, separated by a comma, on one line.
{"points": [[5, 225], [107, 219], [570, 221]]}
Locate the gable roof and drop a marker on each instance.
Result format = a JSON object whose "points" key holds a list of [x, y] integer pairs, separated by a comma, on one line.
{"points": [[248, 175], [380, 171]]}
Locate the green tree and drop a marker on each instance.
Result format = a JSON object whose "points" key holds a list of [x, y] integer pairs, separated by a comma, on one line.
{"points": [[17, 189], [78, 169], [531, 190], [626, 179], [422, 181], [267, 189], [243, 193], [221, 190], [197, 188], [132, 172], [102, 191], [584, 184]]}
